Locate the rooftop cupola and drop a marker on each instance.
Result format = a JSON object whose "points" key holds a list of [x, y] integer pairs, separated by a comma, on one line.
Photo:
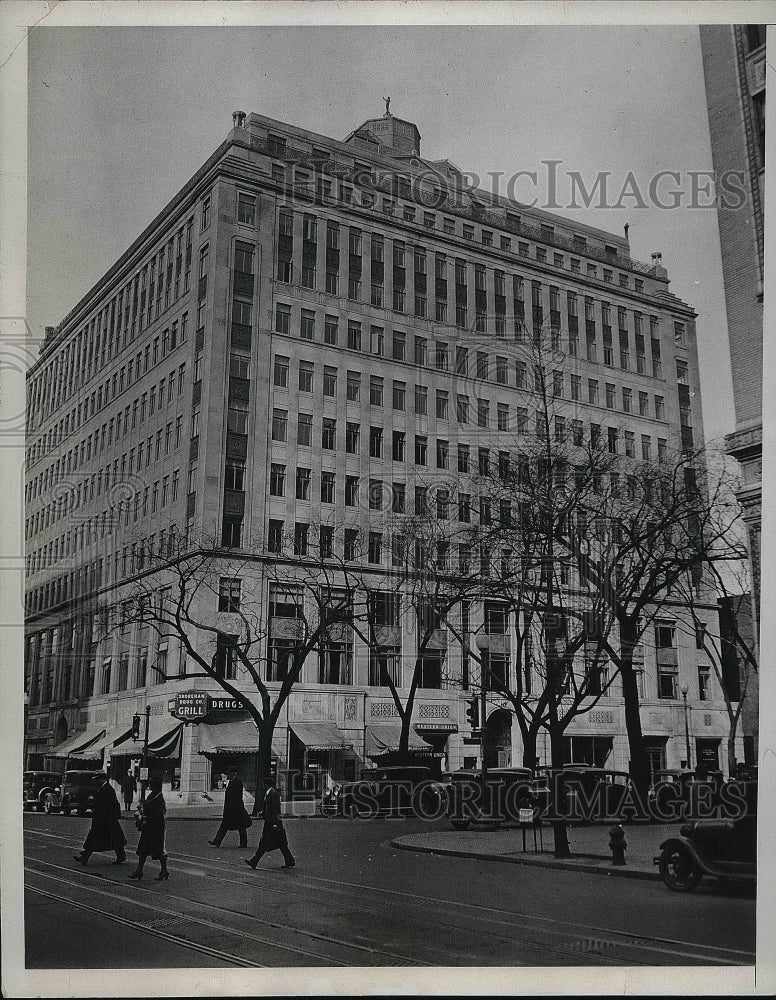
{"points": [[396, 136]]}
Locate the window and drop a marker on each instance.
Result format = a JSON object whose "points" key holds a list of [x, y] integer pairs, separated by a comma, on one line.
{"points": [[630, 444], [399, 395], [280, 372], [646, 448], [246, 209], [399, 343], [275, 536], [282, 318], [205, 214], [375, 442], [610, 396], [443, 454], [328, 485], [375, 391], [352, 438], [398, 447], [398, 498], [279, 425], [307, 325], [330, 330], [304, 430], [301, 538], [463, 457], [576, 387], [277, 480], [329, 434], [375, 550], [704, 683], [229, 594], [592, 391], [377, 341], [421, 449], [502, 416], [329, 381], [442, 404], [351, 544], [660, 412], [351, 491], [666, 681], [354, 336], [421, 351], [665, 635], [306, 370], [303, 478], [421, 400]]}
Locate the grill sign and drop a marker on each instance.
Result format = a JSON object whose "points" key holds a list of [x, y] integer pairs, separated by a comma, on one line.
{"points": [[189, 705], [192, 706]]}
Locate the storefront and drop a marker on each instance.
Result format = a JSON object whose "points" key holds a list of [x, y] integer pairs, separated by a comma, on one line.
{"points": [[57, 759], [232, 743], [163, 754], [382, 748], [320, 754]]}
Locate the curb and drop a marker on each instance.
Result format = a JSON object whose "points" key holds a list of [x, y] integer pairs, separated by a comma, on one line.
{"points": [[569, 865]]}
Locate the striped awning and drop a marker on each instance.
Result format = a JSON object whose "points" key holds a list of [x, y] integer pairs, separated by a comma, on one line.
{"points": [[77, 743], [164, 739], [321, 736], [240, 737], [109, 739], [385, 739]]}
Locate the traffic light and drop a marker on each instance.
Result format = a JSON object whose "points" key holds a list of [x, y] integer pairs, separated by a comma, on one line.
{"points": [[473, 713], [135, 727]]}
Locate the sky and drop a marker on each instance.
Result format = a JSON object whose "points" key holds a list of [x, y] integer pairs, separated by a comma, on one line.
{"points": [[119, 118]]}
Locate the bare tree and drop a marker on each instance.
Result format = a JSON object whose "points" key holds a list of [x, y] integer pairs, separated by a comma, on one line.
{"points": [[213, 601], [431, 575]]}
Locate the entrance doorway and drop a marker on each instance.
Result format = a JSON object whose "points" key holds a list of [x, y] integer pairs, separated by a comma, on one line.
{"points": [[707, 753], [497, 739]]}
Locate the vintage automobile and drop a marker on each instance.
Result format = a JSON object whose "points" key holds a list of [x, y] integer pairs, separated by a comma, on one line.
{"points": [[509, 794], [675, 794], [76, 792], [37, 786], [581, 793], [724, 847], [392, 789]]}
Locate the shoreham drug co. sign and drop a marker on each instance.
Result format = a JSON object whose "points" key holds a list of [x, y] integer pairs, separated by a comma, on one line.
{"points": [[193, 706]]}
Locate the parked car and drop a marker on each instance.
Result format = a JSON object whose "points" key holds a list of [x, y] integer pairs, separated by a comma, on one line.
{"points": [[76, 792], [507, 791], [725, 848], [391, 789], [674, 793], [37, 785], [582, 793]]}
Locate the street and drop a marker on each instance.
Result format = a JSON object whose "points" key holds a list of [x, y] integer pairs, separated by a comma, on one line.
{"points": [[353, 900]]}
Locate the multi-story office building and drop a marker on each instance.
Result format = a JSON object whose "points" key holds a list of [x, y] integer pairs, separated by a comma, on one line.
{"points": [[734, 68], [310, 331]]}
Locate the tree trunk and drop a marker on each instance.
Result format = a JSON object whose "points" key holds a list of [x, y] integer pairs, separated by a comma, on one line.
{"points": [[263, 764], [639, 762], [529, 747], [559, 829]]}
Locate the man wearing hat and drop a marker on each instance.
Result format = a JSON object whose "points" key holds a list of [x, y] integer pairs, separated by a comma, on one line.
{"points": [[105, 833]]}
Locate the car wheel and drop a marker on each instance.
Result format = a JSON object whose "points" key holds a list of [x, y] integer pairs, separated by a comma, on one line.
{"points": [[678, 870], [49, 806], [460, 824], [66, 812]]}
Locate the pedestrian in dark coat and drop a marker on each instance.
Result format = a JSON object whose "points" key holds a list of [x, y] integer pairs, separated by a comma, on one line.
{"points": [[235, 815], [128, 789], [151, 818], [273, 836], [105, 833]]}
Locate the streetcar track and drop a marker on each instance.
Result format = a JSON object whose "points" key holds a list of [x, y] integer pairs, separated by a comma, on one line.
{"points": [[275, 924], [583, 937], [155, 932]]}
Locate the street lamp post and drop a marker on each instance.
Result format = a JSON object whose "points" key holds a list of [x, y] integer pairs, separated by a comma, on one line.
{"points": [[684, 689], [483, 708]]}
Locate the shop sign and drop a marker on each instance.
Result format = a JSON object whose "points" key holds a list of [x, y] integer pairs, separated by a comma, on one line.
{"points": [[189, 705], [436, 727], [226, 704]]}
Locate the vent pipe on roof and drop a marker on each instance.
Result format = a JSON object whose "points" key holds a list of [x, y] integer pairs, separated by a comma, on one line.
{"points": [[238, 118]]}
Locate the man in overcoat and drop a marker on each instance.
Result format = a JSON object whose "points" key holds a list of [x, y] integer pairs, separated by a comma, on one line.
{"points": [[273, 836], [235, 816], [105, 833]]}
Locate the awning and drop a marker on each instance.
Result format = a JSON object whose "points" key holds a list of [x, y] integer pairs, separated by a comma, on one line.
{"points": [[235, 737], [385, 739], [164, 739], [95, 750], [321, 736], [77, 743]]}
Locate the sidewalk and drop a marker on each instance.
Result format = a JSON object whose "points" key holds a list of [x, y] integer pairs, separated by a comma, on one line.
{"points": [[589, 847]]}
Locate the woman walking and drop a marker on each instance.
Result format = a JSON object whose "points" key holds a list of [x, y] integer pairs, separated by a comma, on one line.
{"points": [[273, 835], [151, 817]]}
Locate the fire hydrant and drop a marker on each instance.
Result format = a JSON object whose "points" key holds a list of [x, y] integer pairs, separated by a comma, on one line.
{"points": [[617, 844]]}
